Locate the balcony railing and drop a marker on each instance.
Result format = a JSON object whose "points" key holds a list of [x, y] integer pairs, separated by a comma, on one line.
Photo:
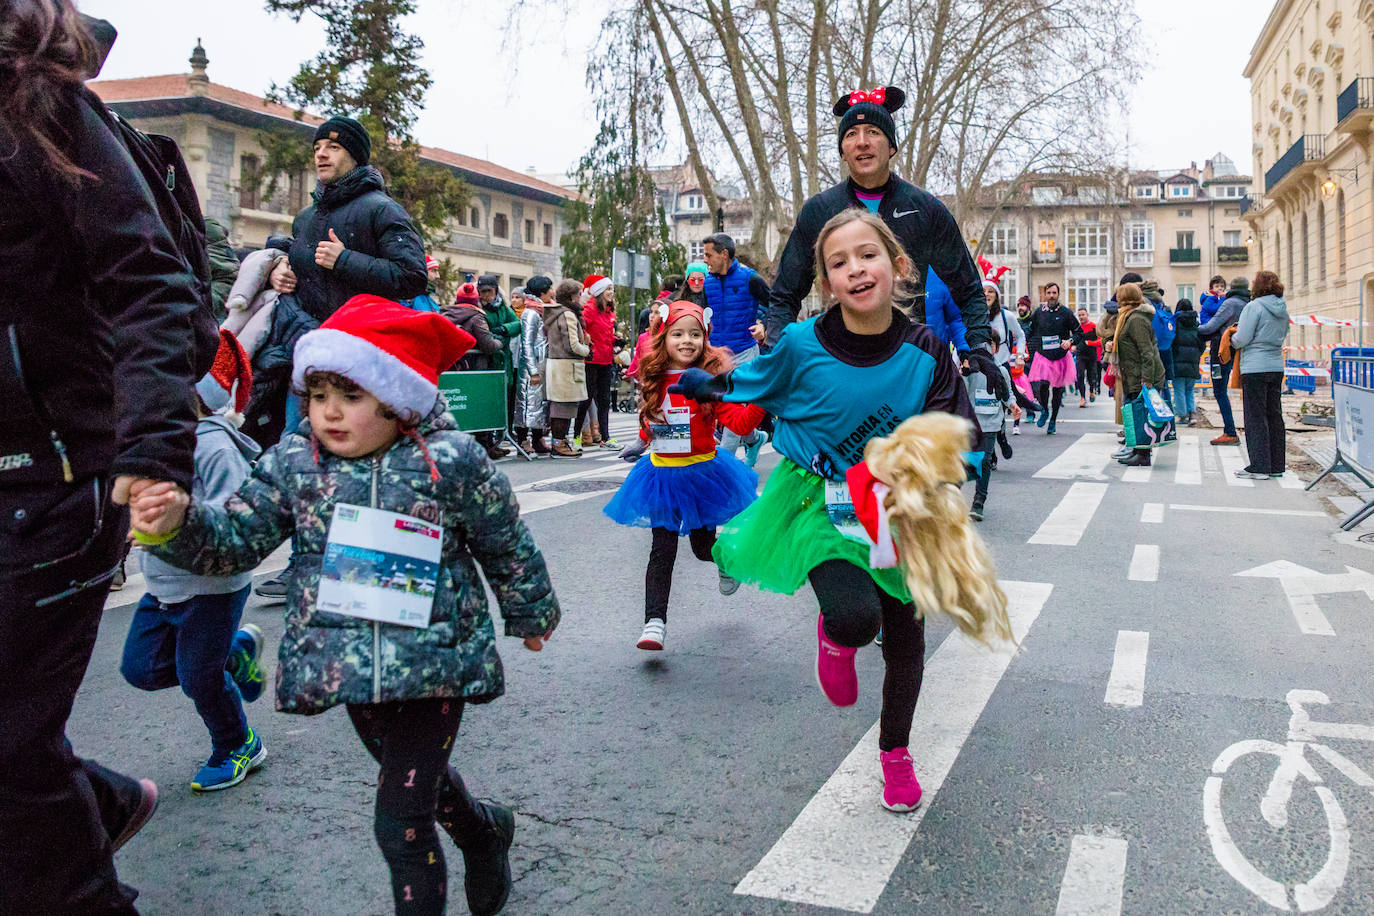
{"points": [[1044, 257], [1358, 95], [1309, 148], [1233, 254], [1185, 255], [1139, 258], [1246, 203]]}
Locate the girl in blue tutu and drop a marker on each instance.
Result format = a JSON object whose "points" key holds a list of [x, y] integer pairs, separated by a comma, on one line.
{"points": [[686, 487]]}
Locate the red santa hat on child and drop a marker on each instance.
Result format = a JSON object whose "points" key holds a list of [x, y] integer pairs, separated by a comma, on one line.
{"points": [[230, 378], [392, 352], [595, 285]]}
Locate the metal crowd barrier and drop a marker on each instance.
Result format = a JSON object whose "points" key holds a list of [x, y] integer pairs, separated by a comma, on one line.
{"points": [[1352, 388]]}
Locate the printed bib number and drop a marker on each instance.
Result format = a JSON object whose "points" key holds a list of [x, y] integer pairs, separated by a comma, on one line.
{"points": [[675, 436], [839, 506], [380, 565], [1051, 343]]}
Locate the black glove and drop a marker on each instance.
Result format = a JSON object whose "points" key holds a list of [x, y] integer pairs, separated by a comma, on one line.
{"points": [[692, 384], [982, 361]]}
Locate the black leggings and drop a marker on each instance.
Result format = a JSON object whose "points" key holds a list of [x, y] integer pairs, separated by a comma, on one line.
{"points": [[1089, 376], [1051, 398], [658, 578], [598, 392], [853, 608], [412, 740]]}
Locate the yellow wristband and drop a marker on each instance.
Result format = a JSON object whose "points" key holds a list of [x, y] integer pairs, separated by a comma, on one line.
{"points": [[153, 540]]}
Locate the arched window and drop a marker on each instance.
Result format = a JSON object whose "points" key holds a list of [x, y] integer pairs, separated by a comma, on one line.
{"points": [[1306, 254], [1321, 241], [1340, 233], [475, 218], [500, 226]]}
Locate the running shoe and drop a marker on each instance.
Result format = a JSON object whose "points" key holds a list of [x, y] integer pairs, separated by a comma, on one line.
{"points": [[651, 638], [1006, 447], [147, 804], [751, 452], [728, 585], [223, 771], [1247, 474], [901, 791], [976, 513], [1276, 474], [486, 860], [835, 668], [244, 652], [1016, 428], [1092, 398], [273, 589], [1226, 440], [1043, 419], [1082, 402], [608, 443], [1123, 452], [1051, 431]]}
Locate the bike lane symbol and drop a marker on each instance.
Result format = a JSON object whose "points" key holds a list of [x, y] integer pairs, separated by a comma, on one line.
{"points": [[1321, 888]]}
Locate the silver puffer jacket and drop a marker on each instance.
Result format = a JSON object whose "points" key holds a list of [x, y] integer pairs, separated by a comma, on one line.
{"points": [[531, 408]]}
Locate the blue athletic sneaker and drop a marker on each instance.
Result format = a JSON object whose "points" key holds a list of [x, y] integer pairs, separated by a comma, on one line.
{"points": [[223, 771], [242, 663], [1044, 418], [751, 452]]}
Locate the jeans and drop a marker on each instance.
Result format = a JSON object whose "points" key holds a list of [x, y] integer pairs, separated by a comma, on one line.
{"points": [[730, 441], [1223, 396], [57, 812], [1167, 358], [1265, 435], [1183, 396], [980, 490], [186, 644], [598, 393], [658, 578], [853, 609]]}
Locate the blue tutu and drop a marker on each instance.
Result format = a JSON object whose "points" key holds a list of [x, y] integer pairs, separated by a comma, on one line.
{"points": [[683, 497]]}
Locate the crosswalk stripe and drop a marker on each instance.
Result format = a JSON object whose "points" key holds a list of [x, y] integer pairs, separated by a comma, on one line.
{"points": [[1189, 470], [1067, 521], [1144, 564], [1084, 458], [1095, 877], [1232, 459], [1126, 686]]}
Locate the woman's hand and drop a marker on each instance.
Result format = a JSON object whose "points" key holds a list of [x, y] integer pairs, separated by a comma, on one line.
{"points": [[536, 378], [283, 279]]}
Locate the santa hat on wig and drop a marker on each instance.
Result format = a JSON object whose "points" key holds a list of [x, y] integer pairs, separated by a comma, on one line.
{"points": [[392, 352], [869, 495], [230, 378], [595, 285]]}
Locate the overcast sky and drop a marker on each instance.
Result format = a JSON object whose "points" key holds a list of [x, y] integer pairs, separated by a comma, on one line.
{"points": [[521, 101]]}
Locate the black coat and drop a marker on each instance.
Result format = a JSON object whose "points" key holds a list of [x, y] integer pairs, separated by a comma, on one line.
{"points": [[384, 255], [924, 227], [1187, 346], [1058, 323], [100, 323]]}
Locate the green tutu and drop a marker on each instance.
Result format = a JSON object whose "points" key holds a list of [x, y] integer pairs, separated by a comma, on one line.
{"points": [[786, 533]]}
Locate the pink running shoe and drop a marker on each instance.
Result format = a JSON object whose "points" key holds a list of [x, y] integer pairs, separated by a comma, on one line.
{"points": [[835, 669], [901, 791]]}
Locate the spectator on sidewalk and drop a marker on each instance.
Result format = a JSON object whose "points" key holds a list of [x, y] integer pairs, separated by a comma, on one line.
{"points": [[566, 368], [1226, 315], [1138, 355], [1165, 328], [1187, 361], [505, 327], [1212, 299], [1259, 337], [598, 317]]}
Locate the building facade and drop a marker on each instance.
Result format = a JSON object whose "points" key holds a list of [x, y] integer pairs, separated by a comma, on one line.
{"points": [[1311, 75], [690, 220], [1083, 232], [512, 226]]}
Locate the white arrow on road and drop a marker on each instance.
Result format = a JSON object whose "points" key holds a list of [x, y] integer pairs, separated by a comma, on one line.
{"points": [[1301, 586]]}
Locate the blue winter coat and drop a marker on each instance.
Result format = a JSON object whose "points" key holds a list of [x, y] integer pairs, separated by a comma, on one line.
{"points": [[735, 306], [942, 315]]}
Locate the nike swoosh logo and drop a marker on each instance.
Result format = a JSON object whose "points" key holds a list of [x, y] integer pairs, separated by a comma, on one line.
{"points": [[898, 214]]}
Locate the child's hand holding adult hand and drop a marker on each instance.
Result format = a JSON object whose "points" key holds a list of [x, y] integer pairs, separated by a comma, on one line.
{"points": [[692, 384], [158, 508]]}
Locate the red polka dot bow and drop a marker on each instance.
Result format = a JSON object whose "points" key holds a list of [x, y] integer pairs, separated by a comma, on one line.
{"points": [[876, 96]]}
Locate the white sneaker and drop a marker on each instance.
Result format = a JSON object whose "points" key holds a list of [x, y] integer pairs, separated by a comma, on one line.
{"points": [[728, 586], [1251, 475], [652, 636], [1016, 428]]}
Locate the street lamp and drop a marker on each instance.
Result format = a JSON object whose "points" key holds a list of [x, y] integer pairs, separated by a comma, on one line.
{"points": [[1329, 185]]}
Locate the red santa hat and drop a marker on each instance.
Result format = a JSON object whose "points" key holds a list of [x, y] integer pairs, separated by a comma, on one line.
{"points": [[595, 285], [430, 263], [392, 352], [230, 378], [467, 295], [869, 495]]}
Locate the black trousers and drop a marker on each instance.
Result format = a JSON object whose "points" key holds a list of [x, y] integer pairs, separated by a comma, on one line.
{"points": [[599, 393], [57, 812], [1265, 436], [1089, 376], [853, 608], [658, 578], [980, 490]]}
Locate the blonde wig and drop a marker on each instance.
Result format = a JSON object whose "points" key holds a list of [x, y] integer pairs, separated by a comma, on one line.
{"points": [[945, 563]]}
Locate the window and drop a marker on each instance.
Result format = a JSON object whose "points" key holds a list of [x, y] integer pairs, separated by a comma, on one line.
{"points": [[1230, 238], [1140, 236], [1086, 240], [1187, 291], [1009, 289], [1145, 191], [1180, 190], [1047, 244], [548, 235], [1184, 239], [1230, 211], [1003, 241], [1340, 233], [696, 251], [1321, 241], [1234, 191], [529, 232], [475, 218], [500, 226], [249, 179], [1046, 195], [693, 202], [1306, 249], [1088, 293], [1185, 214]]}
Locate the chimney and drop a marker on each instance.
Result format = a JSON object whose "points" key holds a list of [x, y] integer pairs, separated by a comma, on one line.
{"points": [[198, 81], [531, 171]]}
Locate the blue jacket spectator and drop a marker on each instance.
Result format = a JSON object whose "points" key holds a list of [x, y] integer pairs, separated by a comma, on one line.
{"points": [[942, 315]]}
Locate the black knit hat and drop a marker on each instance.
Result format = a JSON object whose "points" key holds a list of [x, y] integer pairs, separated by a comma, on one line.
{"points": [[875, 107], [349, 134], [489, 281], [538, 285]]}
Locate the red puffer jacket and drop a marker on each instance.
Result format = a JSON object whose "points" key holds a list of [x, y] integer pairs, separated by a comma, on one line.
{"points": [[601, 329]]}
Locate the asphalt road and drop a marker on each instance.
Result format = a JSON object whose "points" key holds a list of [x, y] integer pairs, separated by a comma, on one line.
{"points": [[1087, 773]]}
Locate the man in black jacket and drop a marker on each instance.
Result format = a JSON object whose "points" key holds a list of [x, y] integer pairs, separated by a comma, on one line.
{"points": [[868, 141]]}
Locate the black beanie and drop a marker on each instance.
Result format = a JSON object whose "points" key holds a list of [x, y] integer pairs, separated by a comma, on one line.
{"points": [[538, 285], [874, 108], [489, 281], [349, 134]]}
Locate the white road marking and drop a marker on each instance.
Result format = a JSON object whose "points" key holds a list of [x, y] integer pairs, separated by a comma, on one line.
{"points": [[1301, 586], [1211, 460], [1189, 470], [1126, 686], [1095, 878], [1152, 513], [1138, 475], [1233, 459], [841, 850], [1067, 522], [1291, 481], [1085, 458], [1244, 510], [1144, 564]]}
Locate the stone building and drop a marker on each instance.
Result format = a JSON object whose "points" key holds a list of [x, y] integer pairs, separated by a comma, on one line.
{"points": [[1311, 75], [512, 226], [690, 221]]}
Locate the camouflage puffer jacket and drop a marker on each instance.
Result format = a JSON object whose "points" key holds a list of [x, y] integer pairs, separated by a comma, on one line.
{"points": [[326, 659]]}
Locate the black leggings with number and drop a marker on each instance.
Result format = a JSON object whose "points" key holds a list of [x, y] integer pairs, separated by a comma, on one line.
{"points": [[411, 740], [853, 608], [658, 578]]}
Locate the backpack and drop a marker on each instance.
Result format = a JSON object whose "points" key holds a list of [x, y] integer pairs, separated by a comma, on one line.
{"points": [[1165, 327]]}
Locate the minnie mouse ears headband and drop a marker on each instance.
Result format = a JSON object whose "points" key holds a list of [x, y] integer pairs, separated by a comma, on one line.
{"points": [[889, 98], [873, 107], [669, 314]]}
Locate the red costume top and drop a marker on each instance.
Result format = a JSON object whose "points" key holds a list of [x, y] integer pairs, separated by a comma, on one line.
{"points": [[741, 419]]}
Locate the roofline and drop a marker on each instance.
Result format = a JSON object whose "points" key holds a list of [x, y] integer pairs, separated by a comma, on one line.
{"points": [[1271, 25]]}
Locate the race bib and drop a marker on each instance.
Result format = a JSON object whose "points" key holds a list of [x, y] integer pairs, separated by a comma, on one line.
{"points": [[839, 507], [673, 437], [1050, 343], [380, 565]]}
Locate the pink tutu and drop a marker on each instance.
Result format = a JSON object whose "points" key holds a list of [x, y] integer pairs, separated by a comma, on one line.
{"points": [[1060, 373]]}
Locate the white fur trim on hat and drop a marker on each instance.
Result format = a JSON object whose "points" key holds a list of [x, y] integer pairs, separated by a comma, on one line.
{"points": [[988, 284], [599, 287], [379, 373]]}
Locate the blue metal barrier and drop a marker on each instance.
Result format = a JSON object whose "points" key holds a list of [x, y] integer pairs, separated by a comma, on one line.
{"points": [[1352, 366], [1306, 384]]}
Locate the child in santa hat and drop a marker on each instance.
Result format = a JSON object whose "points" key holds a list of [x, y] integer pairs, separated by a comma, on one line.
{"points": [[185, 631], [381, 438]]}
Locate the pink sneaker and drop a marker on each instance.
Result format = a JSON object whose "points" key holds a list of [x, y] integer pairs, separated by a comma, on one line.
{"points": [[835, 669], [901, 791]]}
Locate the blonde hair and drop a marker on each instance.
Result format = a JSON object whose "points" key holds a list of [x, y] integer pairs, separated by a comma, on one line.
{"points": [[1129, 294], [945, 563], [904, 284]]}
